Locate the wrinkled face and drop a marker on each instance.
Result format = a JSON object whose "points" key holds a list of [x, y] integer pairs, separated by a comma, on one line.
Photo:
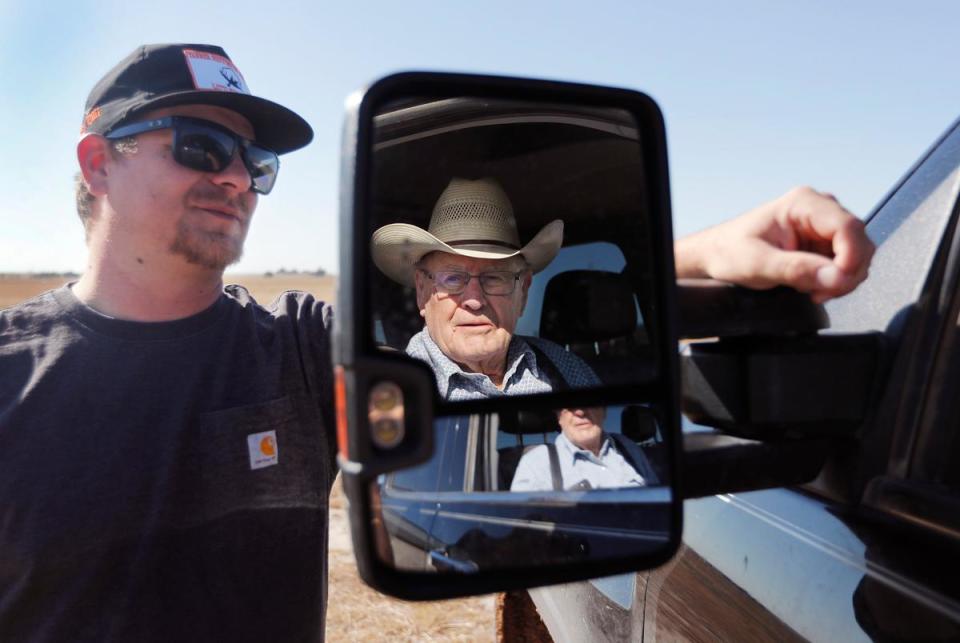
{"points": [[473, 327], [583, 427], [202, 217]]}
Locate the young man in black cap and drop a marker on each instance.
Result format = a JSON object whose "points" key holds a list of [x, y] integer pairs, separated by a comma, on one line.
{"points": [[166, 445]]}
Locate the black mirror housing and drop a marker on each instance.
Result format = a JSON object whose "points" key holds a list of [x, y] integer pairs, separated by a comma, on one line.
{"points": [[415, 106]]}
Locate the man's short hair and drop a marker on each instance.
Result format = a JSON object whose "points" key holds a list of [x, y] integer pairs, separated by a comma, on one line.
{"points": [[84, 202]]}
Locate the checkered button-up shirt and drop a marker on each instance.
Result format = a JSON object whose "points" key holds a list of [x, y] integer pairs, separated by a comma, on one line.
{"points": [[523, 375]]}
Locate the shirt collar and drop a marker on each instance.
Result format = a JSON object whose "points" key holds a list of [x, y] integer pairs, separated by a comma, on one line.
{"points": [[519, 356], [573, 451]]}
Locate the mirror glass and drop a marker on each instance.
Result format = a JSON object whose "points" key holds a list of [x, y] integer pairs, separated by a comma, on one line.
{"points": [[528, 488], [511, 246]]}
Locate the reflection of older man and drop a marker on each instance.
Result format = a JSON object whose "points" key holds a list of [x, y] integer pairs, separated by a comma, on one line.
{"points": [[584, 456], [472, 277]]}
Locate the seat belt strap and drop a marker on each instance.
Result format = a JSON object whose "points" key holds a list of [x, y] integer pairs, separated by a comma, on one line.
{"points": [[624, 451], [559, 384], [555, 474]]}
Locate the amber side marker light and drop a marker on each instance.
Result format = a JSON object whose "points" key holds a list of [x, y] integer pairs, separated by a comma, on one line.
{"points": [[340, 402], [385, 415]]}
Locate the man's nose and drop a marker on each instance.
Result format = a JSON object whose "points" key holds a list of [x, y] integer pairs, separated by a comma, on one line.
{"points": [[473, 296], [235, 175]]}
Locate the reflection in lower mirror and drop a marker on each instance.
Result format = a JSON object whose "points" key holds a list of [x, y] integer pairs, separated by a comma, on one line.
{"points": [[528, 489]]}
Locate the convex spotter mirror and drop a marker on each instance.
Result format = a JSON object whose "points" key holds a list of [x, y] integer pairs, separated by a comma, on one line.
{"points": [[507, 364]]}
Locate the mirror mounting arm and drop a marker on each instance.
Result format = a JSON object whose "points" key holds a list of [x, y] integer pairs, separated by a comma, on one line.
{"points": [[773, 388], [715, 463], [709, 308], [783, 395], [766, 373]]}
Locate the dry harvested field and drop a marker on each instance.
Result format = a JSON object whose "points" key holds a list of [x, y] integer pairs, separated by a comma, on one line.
{"points": [[354, 611], [14, 288], [265, 289]]}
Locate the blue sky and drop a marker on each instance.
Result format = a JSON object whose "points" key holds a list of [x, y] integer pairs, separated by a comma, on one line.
{"points": [[757, 96]]}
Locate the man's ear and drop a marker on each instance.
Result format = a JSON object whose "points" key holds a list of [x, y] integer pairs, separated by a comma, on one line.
{"points": [[93, 155], [423, 291], [525, 282]]}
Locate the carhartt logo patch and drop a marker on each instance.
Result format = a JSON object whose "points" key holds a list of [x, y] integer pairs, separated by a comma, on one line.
{"points": [[211, 71], [263, 449]]}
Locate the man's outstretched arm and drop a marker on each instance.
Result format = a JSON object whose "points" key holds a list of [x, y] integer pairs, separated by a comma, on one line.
{"points": [[804, 239]]}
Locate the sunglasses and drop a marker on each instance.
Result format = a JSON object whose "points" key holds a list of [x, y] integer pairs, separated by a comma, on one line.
{"points": [[208, 147]]}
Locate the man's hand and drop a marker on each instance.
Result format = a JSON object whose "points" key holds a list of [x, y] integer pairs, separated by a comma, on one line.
{"points": [[805, 240]]}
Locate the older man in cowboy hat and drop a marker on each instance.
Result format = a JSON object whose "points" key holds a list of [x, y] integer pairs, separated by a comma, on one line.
{"points": [[472, 277]]}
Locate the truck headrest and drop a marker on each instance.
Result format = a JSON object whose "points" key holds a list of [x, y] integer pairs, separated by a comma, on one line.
{"points": [[587, 306]]}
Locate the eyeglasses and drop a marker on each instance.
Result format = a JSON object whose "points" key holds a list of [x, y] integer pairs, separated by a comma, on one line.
{"points": [[454, 282], [208, 147]]}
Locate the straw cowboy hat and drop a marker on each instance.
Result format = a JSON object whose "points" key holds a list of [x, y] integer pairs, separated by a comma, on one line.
{"points": [[472, 219]]}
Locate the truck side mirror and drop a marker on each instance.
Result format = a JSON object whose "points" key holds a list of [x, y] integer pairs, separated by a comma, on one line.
{"points": [[490, 425]]}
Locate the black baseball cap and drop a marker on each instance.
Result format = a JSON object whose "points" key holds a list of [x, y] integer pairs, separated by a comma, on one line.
{"points": [[155, 76]]}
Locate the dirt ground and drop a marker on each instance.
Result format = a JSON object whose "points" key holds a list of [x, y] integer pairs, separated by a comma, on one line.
{"points": [[357, 613], [354, 611]]}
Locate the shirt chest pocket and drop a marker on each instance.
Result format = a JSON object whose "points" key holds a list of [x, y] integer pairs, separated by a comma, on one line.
{"points": [[258, 457]]}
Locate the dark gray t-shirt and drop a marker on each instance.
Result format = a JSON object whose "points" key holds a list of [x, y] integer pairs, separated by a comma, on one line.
{"points": [[165, 481]]}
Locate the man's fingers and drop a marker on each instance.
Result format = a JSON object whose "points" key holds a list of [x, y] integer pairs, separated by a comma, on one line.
{"points": [[852, 247], [811, 273], [820, 217], [804, 239], [808, 272]]}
